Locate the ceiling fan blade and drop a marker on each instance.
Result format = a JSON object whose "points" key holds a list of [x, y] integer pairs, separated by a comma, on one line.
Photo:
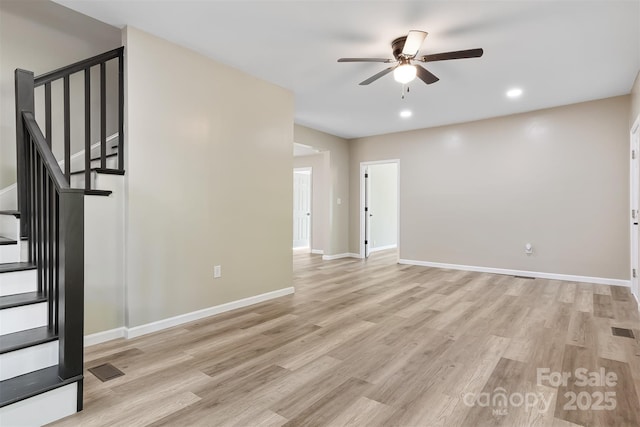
{"points": [[413, 43], [365, 60], [425, 75], [377, 76], [459, 54]]}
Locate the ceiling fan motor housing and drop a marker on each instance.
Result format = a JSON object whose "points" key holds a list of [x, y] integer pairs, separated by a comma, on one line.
{"points": [[397, 45]]}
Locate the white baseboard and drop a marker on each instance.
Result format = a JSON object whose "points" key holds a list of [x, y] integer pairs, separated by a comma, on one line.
{"points": [[539, 275], [317, 251], [195, 315], [137, 331], [382, 248], [105, 336], [338, 256]]}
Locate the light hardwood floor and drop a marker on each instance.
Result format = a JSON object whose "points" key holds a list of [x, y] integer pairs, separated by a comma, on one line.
{"points": [[373, 343]]}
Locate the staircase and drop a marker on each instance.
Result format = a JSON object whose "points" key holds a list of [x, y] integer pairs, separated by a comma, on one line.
{"points": [[31, 391], [42, 248]]}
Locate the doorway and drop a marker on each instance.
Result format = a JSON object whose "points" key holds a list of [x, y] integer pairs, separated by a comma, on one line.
{"points": [[635, 201], [379, 206], [302, 208]]}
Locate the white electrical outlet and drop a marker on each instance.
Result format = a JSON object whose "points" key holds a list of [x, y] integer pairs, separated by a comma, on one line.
{"points": [[217, 271]]}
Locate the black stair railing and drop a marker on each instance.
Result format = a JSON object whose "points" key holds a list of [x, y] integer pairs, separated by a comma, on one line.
{"points": [[55, 214], [46, 80], [64, 74], [52, 213], [56, 246]]}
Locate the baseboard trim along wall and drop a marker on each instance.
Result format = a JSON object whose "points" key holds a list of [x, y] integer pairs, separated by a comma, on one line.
{"points": [[159, 325], [105, 336], [317, 251], [338, 256], [382, 248], [539, 275]]}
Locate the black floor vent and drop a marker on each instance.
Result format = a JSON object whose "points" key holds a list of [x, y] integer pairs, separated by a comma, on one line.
{"points": [[106, 372], [622, 332]]}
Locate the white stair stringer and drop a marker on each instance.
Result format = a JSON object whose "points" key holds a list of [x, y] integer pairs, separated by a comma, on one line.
{"points": [[21, 318], [18, 282], [42, 408], [25, 360]]}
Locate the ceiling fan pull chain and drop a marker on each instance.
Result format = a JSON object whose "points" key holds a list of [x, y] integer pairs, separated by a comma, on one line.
{"points": [[405, 89]]}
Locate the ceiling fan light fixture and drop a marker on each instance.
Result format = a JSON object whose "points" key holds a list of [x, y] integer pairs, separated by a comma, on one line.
{"points": [[404, 73]]}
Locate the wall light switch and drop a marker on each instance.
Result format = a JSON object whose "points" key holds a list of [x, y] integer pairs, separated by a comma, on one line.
{"points": [[217, 271]]}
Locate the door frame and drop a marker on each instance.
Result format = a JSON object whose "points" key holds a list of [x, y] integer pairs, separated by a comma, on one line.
{"points": [[634, 202], [310, 170], [363, 168]]}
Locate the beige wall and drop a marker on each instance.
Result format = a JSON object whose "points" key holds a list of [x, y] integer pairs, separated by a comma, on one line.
{"points": [[635, 100], [338, 149], [209, 182], [40, 36], [476, 193], [104, 299], [319, 164]]}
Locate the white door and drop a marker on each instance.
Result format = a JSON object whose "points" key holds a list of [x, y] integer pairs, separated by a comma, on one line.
{"points": [[367, 213], [301, 208], [635, 201], [384, 227]]}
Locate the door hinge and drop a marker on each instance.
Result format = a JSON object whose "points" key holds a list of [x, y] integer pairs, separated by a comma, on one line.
{"points": [[366, 242], [633, 154], [366, 209], [634, 273], [366, 175]]}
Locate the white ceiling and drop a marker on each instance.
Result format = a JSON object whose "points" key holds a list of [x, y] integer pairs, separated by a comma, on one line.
{"points": [[559, 52]]}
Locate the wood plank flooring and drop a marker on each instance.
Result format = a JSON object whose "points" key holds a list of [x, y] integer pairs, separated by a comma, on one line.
{"points": [[373, 343]]}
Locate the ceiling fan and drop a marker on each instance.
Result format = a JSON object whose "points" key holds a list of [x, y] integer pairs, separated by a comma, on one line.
{"points": [[405, 50]]}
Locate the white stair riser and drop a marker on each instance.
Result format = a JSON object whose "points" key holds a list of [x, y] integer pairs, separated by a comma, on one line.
{"points": [[10, 253], [18, 319], [18, 282], [9, 226], [112, 162], [24, 251], [28, 359], [77, 180], [43, 408]]}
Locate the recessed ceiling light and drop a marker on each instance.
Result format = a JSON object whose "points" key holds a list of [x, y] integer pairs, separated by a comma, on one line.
{"points": [[514, 93], [405, 114]]}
